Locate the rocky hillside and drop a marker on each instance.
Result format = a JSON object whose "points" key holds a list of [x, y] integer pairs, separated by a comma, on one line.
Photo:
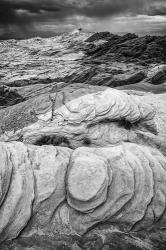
{"points": [[129, 48], [100, 59]]}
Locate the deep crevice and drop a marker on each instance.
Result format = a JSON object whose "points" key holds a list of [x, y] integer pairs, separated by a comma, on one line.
{"points": [[54, 140]]}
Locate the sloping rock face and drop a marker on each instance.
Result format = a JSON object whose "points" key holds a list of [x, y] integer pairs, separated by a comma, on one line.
{"points": [[49, 192]]}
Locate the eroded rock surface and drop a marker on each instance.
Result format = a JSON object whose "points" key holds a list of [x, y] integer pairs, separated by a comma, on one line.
{"points": [[65, 191], [101, 182], [100, 59], [53, 191], [129, 47], [99, 119]]}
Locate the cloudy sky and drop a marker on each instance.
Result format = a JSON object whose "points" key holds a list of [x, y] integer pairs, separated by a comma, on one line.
{"points": [[27, 18]]}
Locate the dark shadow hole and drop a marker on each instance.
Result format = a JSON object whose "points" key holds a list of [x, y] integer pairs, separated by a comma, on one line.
{"points": [[125, 124], [86, 141], [54, 140]]}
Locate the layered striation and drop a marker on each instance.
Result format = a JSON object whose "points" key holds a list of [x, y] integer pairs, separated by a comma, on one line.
{"points": [[50, 190], [32, 182], [106, 117], [129, 190]]}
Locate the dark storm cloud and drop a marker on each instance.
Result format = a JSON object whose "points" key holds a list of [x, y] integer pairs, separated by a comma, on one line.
{"points": [[21, 15], [157, 11], [10, 14], [20, 12], [112, 7], [157, 8], [17, 18]]}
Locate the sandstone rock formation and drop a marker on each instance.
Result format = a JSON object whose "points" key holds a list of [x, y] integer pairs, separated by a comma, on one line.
{"points": [[100, 119], [71, 59], [29, 176], [106, 117], [53, 190], [108, 181], [82, 165], [123, 185], [129, 48]]}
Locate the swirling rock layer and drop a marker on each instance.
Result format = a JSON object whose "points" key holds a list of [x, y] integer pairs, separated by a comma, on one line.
{"points": [[106, 117], [47, 190], [132, 195]]}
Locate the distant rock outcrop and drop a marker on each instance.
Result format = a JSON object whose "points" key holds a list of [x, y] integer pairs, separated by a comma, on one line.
{"points": [[99, 36], [79, 57], [130, 47]]}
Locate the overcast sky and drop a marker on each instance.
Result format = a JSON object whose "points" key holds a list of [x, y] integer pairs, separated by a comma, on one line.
{"points": [[27, 18]]}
